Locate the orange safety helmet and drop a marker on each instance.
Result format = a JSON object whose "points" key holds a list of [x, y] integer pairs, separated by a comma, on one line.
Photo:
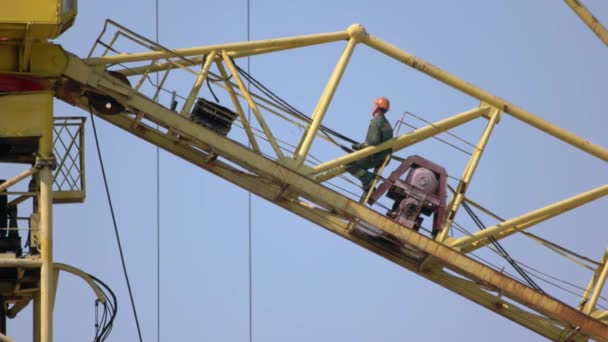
{"points": [[382, 103]]}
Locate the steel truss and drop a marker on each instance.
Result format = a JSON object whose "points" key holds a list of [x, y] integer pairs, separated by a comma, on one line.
{"points": [[292, 184]]}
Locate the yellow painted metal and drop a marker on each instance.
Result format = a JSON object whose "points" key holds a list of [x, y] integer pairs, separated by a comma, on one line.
{"points": [[5, 338], [33, 58], [404, 140], [284, 43], [506, 233], [467, 175], [536, 216], [576, 258], [18, 178], [26, 50], [26, 115], [161, 85], [590, 286], [22, 262], [197, 60], [198, 83], [587, 17], [377, 175], [269, 190], [323, 105], [9, 57], [46, 254], [345, 209], [238, 107], [600, 315], [37, 111], [602, 274], [252, 105], [78, 193], [268, 178], [47, 59], [37, 19], [84, 276], [335, 172], [482, 95], [18, 306]]}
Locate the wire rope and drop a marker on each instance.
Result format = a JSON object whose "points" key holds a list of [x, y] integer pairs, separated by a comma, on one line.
{"points": [[116, 233]]}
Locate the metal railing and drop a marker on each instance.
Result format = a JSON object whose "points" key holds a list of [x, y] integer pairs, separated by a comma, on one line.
{"points": [[68, 147]]}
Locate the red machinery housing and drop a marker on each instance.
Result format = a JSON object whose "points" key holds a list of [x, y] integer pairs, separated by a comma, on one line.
{"points": [[421, 192]]}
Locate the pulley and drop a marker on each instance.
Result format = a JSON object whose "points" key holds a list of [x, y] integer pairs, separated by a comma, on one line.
{"points": [[105, 104]]}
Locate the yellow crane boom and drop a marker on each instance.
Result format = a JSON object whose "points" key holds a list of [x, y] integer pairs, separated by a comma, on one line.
{"points": [[111, 86]]}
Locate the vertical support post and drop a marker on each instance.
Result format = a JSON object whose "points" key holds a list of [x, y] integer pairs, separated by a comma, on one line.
{"points": [[469, 170], [595, 286], [2, 315], [326, 97], [46, 251], [238, 107], [198, 83], [587, 293], [36, 318], [252, 105]]}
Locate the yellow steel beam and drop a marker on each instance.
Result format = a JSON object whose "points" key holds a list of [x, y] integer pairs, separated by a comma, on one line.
{"points": [[404, 140], [591, 285], [197, 84], [506, 233], [198, 60], [252, 105], [237, 105], [535, 216], [335, 172], [392, 52], [18, 178], [485, 96], [310, 190], [84, 276], [46, 253], [585, 15], [287, 43], [270, 191], [600, 275], [467, 175], [326, 97], [160, 85], [22, 262]]}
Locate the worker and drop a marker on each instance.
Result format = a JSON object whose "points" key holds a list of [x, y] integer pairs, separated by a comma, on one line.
{"points": [[379, 131]]}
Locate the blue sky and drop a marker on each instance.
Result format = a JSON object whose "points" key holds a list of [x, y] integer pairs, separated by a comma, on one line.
{"points": [[309, 284]]}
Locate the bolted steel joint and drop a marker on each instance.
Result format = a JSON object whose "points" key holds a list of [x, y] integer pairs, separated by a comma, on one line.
{"points": [[45, 161]]}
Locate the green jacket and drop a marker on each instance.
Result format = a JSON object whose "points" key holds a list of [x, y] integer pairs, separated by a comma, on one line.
{"points": [[379, 131]]}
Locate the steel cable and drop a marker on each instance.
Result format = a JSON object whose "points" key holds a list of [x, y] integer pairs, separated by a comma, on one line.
{"points": [[116, 233]]}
